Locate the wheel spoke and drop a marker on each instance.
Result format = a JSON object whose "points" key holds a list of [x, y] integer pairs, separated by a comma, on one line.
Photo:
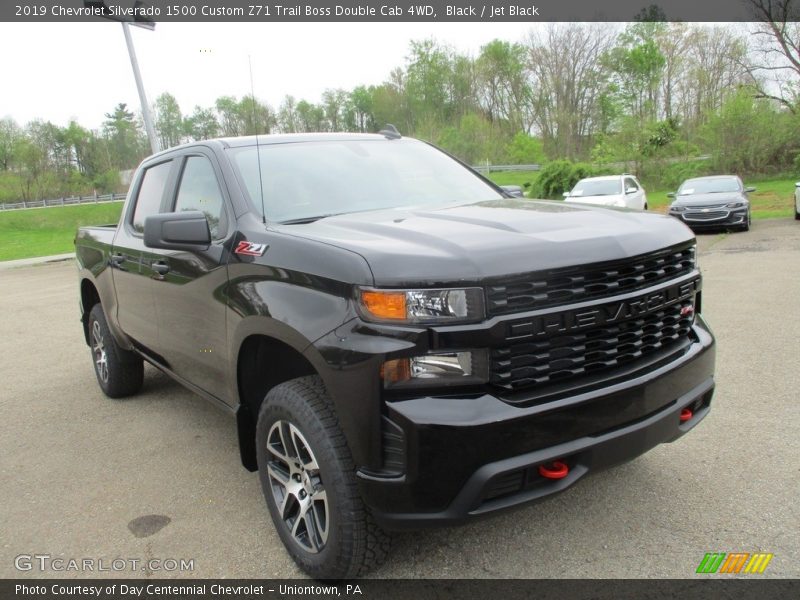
{"points": [[288, 505], [297, 444], [277, 474], [319, 503], [312, 530], [273, 444]]}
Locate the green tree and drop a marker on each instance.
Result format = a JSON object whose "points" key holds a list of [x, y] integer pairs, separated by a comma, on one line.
{"points": [[10, 138], [505, 91], [127, 143], [361, 100], [202, 124], [168, 121]]}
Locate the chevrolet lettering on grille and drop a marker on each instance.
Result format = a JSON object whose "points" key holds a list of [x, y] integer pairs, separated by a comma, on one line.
{"points": [[612, 312]]}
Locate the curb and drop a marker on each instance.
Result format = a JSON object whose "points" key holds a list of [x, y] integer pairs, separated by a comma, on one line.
{"points": [[38, 260]]}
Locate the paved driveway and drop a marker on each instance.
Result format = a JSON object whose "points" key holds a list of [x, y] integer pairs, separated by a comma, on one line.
{"points": [[77, 468]]}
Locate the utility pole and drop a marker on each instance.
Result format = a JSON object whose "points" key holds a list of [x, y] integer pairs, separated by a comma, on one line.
{"points": [[148, 118], [144, 24]]}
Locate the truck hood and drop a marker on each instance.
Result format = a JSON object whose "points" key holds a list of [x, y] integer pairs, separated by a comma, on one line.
{"points": [[407, 247]]}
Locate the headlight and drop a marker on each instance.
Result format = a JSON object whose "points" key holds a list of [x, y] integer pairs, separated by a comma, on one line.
{"points": [[451, 368], [442, 306], [735, 205], [674, 208]]}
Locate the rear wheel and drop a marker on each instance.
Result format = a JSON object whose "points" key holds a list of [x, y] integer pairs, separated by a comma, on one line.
{"points": [[796, 212], [309, 483], [119, 372]]}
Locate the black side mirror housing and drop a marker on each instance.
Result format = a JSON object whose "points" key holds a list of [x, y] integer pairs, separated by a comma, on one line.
{"points": [[185, 230]]}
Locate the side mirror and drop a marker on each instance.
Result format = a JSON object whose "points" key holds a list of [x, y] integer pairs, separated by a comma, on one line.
{"points": [[747, 190], [631, 190], [512, 190], [185, 230], [797, 184], [566, 194], [671, 195]]}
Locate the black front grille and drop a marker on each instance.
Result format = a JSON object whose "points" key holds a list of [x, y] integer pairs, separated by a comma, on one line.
{"points": [[705, 216], [599, 350], [532, 291]]}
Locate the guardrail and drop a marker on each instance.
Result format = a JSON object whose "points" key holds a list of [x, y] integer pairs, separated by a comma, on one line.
{"points": [[491, 168], [65, 201]]}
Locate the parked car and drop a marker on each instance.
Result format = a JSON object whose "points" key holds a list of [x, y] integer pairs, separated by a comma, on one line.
{"points": [[401, 342], [797, 200], [716, 202], [619, 191]]}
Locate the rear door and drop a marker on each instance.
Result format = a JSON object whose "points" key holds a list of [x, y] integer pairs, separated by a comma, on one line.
{"points": [[190, 294], [132, 262]]}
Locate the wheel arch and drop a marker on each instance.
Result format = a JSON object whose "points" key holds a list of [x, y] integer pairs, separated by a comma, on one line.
{"points": [[89, 297], [262, 362]]}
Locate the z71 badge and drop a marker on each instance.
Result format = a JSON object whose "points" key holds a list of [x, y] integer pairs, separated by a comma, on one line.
{"points": [[251, 249]]}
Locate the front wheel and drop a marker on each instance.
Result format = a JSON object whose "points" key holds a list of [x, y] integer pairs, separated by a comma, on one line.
{"points": [[309, 483], [119, 372]]}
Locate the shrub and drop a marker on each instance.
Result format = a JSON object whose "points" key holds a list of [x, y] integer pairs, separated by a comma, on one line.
{"points": [[560, 176]]}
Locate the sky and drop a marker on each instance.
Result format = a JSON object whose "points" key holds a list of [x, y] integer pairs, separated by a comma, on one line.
{"points": [[57, 72]]}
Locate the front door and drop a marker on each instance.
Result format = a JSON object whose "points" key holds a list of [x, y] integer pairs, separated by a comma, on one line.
{"points": [[190, 294]]}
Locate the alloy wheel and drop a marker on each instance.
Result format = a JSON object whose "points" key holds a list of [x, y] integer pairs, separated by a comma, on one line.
{"points": [[99, 352], [297, 486]]}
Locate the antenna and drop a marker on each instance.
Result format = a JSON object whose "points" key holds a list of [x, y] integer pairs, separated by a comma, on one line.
{"points": [[258, 147]]}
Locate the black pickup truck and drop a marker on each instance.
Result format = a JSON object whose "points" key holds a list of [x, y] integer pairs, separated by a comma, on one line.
{"points": [[402, 342]]}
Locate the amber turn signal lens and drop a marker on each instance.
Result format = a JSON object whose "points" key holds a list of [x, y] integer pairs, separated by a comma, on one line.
{"points": [[385, 305], [397, 370]]}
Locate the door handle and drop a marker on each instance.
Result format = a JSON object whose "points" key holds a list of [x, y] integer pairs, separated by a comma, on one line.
{"points": [[161, 268], [117, 260]]}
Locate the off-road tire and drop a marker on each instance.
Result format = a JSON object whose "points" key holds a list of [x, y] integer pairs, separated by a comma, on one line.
{"points": [[119, 372], [299, 414]]}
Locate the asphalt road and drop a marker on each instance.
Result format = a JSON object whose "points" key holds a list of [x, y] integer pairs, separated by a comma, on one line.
{"points": [[77, 468]]}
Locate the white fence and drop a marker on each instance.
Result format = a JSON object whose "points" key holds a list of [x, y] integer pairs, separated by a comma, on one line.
{"points": [[66, 201]]}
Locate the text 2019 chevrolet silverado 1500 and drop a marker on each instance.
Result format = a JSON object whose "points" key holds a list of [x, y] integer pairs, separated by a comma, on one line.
{"points": [[402, 343]]}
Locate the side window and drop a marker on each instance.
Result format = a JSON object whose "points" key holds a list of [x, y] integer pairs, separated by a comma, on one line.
{"points": [[630, 183], [199, 190], [148, 202]]}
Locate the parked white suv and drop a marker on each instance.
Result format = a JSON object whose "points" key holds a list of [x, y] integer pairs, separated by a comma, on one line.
{"points": [[621, 191], [797, 200]]}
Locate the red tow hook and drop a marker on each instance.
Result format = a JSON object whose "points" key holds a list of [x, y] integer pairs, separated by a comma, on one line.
{"points": [[686, 414], [555, 470]]}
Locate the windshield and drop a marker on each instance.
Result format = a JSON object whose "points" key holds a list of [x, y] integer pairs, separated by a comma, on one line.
{"points": [[601, 187], [708, 186], [308, 180]]}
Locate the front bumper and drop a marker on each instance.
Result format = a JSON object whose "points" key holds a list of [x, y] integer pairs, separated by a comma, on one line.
{"points": [[469, 456], [718, 219]]}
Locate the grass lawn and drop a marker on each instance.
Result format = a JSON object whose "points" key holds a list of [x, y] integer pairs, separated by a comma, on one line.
{"points": [[773, 198], [513, 178], [46, 231]]}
